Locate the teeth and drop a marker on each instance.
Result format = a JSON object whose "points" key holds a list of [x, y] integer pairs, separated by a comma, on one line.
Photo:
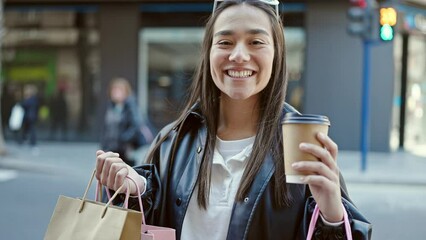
{"points": [[240, 74]]}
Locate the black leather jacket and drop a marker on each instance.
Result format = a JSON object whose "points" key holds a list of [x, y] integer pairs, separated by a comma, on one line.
{"points": [[168, 192]]}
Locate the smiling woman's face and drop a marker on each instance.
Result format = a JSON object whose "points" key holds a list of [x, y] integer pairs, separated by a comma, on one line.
{"points": [[242, 52]]}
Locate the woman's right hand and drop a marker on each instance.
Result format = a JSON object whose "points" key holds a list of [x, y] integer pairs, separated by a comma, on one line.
{"points": [[111, 171]]}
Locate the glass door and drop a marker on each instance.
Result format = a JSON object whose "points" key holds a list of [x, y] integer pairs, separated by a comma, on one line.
{"points": [[167, 59]]}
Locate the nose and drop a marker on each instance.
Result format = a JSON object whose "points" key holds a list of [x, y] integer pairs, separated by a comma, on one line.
{"points": [[239, 54]]}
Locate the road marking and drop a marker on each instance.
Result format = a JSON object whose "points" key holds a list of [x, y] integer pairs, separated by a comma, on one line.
{"points": [[6, 175]]}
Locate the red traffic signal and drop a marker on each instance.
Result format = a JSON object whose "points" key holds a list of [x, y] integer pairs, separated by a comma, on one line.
{"points": [[359, 3]]}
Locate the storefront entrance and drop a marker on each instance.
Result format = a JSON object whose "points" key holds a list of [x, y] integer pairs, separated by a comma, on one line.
{"points": [[409, 128]]}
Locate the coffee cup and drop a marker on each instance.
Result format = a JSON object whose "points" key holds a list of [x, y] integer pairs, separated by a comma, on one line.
{"points": [[298, 128]]}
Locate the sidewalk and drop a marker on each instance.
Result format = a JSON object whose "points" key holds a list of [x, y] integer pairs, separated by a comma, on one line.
{"points": [[49, 157], [61, 157], [400, 167]]}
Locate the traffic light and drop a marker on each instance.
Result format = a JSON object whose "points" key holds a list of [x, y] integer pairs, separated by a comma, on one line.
{"points": [[359, 19], [388, 18]]}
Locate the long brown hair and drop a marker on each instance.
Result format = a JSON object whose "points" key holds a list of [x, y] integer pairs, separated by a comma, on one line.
{"points": [[204, 91]]}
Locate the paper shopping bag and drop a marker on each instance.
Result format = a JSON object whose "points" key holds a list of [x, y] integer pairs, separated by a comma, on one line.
{"points": [[150, 232], [75, 218]]}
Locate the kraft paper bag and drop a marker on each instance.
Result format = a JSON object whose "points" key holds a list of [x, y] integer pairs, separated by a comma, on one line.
{"points": [[75, 218]]}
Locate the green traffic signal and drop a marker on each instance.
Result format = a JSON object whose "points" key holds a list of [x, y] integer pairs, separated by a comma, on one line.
{"points": [[388, 18], [386, 32]]}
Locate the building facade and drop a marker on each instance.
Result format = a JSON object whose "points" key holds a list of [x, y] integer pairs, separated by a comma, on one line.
{"points": [[79, 46]]}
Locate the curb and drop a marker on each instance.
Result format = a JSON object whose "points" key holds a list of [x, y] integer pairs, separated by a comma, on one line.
{"points": [[384, 181], [16, 164]]}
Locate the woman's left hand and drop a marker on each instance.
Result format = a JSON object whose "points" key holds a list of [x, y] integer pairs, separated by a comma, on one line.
{"points": [[324, 183]]}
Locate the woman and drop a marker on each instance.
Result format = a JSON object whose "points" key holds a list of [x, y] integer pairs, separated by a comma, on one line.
{"points": [[122, 120], [220, 169]]}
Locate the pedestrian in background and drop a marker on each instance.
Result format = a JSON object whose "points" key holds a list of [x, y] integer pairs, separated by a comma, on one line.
{"points": [[122, 120], [31, 104], [218, 172], [59, 115]]}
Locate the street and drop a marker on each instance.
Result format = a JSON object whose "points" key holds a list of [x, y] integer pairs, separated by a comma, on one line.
{"points": [[30, 191], [396, 211], [28, 201]]}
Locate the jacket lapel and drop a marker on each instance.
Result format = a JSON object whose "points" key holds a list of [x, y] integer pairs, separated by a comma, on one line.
{"points": [[187, 178], [243, 211]]}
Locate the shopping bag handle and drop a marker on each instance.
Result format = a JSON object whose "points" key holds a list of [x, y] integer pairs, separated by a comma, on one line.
{"points": [[139, 198], [126, 199], [314, 218], [98, 194], [87, 190], [83, 200]]}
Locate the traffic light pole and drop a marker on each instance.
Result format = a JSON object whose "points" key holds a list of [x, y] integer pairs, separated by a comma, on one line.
{"points": [[362, 16], [365, 112]]}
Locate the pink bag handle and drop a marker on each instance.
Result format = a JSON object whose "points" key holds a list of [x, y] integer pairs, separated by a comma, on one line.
{"points": [[98, 194], [126, 199], [314, 219], [83, 200], [139, 198]]}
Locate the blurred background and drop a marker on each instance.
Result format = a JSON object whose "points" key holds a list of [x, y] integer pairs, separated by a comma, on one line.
{"points": [[361, 63]]}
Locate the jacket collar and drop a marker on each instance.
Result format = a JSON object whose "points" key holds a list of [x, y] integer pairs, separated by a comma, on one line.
{"points": [[195, 109]]}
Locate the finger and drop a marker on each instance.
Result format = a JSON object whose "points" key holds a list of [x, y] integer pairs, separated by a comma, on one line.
{"points": [[106, 170], [318, 168], [113, 178], [120, 176], [99, 152], [100, 161], [321, 153], [321, 182], [329, 144]]}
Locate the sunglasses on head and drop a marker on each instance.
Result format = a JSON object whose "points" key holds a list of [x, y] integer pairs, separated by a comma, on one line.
{"points": [[269, 2]]}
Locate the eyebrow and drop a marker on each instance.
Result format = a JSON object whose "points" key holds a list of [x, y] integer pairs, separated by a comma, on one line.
{"points": [[251, 31]]}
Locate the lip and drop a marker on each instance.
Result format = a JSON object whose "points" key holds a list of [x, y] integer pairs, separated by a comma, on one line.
{"points": [[239, 69]]}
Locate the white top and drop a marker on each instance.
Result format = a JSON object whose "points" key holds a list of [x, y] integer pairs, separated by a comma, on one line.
{"points": [[228, 166]]}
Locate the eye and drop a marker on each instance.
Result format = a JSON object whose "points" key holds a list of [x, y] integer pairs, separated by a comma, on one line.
{"points": [[257, 42], [224, 42]]}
